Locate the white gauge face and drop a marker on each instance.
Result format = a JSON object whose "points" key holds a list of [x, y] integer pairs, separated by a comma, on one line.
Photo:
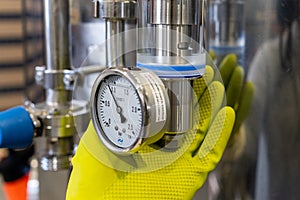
{"points": [[119, 111]]}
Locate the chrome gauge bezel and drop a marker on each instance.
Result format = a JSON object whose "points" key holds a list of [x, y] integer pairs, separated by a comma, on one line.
{"points": [[148, 125]]}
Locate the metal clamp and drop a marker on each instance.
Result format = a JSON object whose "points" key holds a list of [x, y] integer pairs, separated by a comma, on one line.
{"points": [[55, 79]]}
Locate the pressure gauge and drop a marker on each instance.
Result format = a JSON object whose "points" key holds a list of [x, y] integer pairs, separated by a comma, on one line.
{"points": [[130, 108]]}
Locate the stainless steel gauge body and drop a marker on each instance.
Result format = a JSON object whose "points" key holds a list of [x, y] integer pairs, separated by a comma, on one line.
{"points": [[130, 108]]}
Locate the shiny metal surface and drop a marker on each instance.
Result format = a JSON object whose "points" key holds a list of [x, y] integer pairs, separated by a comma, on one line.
{"points": [[227, 28], [59, 114], [154, 101], [121, 9], [57, 155], [173, 22], [57, 37], [55, 79], [227, 22], [120, 17], [180, 93], [170, 12], [57, 30], [178, 31], [96, 8], [188, 18], [60, 124], [58, 101], [172, 40], [204, 25], [120, 43]]}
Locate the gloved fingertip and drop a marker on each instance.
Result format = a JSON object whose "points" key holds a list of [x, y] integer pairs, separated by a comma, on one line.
{"points": [[245, 103], [227, 66], [209, 74], [235, 86], [216, 139], [212, 54]]}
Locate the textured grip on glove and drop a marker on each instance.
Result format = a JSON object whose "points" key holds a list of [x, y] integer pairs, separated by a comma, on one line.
{"points": [[183, 171]]}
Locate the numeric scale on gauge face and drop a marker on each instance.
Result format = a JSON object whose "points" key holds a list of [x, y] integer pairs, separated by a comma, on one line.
{"points": [[129, 108], [119, 110]]}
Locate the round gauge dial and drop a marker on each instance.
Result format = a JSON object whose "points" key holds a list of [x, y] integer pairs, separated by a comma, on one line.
{"points": [[119, 111], [129, 108]]}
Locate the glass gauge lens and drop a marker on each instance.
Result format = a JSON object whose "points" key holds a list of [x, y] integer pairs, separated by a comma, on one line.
{"points": [[119, 111]]}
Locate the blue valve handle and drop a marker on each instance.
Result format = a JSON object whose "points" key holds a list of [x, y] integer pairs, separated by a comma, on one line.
{"points": [[16, 128]]}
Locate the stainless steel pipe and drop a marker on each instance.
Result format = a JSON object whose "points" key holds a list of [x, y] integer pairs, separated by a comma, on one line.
{"points": [[59, 113], [120, 25], [57, 37], [57, 34], [178, 32]]}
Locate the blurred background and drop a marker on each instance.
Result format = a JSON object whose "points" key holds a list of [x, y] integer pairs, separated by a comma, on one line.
{"points": [[21, 49]]}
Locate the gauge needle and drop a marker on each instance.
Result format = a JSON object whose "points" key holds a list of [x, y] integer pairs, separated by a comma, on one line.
{"points": [[119, 109]]}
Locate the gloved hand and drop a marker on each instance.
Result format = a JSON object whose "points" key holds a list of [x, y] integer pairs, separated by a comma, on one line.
{"points": [[99, 174]]}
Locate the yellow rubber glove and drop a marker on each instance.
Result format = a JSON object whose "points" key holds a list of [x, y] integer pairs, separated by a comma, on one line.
{"points": [[239, 94], [152, 173]]}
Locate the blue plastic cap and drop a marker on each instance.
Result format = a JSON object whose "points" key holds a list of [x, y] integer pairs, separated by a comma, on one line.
{"points": [[16, 128]]}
